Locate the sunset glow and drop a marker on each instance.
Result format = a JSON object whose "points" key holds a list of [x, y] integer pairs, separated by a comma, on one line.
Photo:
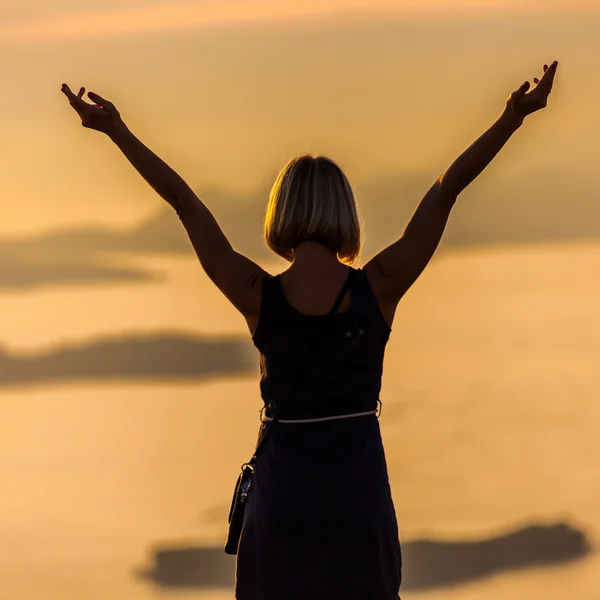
{"points": [[191, 15]]}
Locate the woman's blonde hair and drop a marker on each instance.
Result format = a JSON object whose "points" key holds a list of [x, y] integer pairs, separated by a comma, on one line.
{"points": [[311, 200]]}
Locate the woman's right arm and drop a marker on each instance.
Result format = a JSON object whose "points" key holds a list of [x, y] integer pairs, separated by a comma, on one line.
{"points": [[396, 268]]}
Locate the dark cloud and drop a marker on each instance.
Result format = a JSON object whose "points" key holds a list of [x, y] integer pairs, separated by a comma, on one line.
{"points": [[22, 273], [173, 357], [427, 564], [96, 256]]}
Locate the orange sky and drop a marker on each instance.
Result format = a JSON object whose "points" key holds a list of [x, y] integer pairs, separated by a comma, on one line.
{"points": [[131, 18], [228, 105]]}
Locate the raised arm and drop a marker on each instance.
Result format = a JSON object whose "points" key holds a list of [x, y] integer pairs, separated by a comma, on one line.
{"points": [[396, 268], [234, 274]]}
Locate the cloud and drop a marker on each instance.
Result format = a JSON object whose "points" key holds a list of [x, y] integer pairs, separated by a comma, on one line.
{"points": [[96, 256], [176, 16], [525, 207], [427, 564], [522, 208], [21, 273], [166, 356]]}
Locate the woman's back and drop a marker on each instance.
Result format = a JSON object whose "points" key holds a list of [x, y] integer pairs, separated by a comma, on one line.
{"points": [[338, 358]]}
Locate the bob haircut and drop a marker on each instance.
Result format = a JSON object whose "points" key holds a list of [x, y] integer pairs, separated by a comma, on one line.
{"points": [[311, 200]]}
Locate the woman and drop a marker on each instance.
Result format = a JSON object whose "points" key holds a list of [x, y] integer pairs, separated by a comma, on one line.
{"points": [[319, 521]]}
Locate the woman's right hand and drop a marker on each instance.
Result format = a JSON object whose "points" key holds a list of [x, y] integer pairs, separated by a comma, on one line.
{"points": [[101, 116], [522, 102]]}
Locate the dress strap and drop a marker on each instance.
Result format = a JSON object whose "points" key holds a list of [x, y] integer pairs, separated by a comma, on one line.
{"points": [[277, 295]]}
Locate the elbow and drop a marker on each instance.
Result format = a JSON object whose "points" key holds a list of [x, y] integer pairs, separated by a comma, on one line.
{"points": [[177, 201], [185, 202], [447, 189]]}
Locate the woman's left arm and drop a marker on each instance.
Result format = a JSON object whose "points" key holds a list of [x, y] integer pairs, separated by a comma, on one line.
{"points": [[234, 274], [397, 267]]}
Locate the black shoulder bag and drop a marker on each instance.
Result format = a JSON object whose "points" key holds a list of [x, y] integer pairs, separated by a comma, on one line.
{"points": [[244, 481]]}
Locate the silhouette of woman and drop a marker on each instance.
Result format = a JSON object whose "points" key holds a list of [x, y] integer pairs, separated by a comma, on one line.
{"points": [[319, 521]]}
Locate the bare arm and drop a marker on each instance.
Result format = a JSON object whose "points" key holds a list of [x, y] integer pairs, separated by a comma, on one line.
{"points": [[397, 267], [234, 274]]}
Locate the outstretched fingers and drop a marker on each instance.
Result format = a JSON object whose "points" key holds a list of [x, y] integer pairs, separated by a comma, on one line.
{"points": [[100, 101], [66, 90], [544, 85], [535, 79], [76, 101]]}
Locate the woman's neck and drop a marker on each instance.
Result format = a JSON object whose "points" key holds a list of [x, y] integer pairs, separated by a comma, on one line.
{"points": [[315, 258]]}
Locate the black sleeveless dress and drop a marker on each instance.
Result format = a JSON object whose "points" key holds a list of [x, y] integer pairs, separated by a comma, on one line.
{"points": [[320, 522]]}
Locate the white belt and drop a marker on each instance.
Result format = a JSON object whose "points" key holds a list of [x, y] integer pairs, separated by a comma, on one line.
{"points": [[335, 418]]}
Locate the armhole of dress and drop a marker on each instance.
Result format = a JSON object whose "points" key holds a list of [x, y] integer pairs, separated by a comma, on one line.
{"points": [[371, 302], [264, 300]]}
